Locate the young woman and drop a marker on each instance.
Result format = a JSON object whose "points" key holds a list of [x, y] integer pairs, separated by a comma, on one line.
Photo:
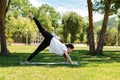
{"points": [[49, 40]]}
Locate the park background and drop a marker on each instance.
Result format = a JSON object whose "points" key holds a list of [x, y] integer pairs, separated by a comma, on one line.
{"points": [[22, 38], [21, 29]]}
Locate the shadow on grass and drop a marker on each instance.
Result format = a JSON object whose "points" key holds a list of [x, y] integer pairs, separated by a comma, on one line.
{"points": [[77, 55]]}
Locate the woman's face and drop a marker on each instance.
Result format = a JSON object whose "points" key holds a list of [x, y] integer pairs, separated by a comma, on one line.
{"points": [[69, 50]]}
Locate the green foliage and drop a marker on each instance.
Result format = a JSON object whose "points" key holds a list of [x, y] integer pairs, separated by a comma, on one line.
{"points": [[48, 17], [110, 35], [17, 23], [17, 27], [99, 6], [72, 24], [110, 39], [20, 7], [111, 23], [111, 31], [73, 28], [9, 41]]}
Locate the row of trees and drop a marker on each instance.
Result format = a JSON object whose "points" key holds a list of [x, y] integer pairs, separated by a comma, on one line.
{"points": [[17, 25], [17, 22], [70, 26]]}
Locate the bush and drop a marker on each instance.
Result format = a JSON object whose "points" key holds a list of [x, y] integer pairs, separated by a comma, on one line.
{"points": [[9, 41]]}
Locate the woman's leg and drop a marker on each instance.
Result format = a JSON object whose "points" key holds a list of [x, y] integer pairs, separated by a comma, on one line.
{"points": [[45, 33], [45, 43], [41, 47]]}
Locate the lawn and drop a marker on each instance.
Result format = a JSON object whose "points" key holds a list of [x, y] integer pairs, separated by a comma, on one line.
{"points": [[105, 67]]}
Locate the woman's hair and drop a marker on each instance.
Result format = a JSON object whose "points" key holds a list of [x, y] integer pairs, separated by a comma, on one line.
{"points": [[69, 46]]}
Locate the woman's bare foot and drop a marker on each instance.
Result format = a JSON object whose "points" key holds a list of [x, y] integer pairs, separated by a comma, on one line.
{"points": [[27, 62], [30, 14]]}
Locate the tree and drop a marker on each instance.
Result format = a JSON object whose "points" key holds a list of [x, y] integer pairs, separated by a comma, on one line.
{"points": [[20, 7], [16, 28], [110, 39], [16, 6], [48, 17], [119, 33], [90, 30], [4, 5], [72, 23], [107, 6], [65, 28], [17, 15]]}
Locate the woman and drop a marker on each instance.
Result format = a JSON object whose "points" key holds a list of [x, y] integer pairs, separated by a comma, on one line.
{"points": [[49, 40]]}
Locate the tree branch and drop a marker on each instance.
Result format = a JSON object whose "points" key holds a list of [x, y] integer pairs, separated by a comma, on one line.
{"points": [[7, 6]]}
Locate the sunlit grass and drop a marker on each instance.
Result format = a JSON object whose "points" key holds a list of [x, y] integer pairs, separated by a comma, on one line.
{"points": [[92, 67]]}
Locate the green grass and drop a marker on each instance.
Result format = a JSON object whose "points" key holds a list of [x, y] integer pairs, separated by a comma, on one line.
{"points": [[105, 67]]}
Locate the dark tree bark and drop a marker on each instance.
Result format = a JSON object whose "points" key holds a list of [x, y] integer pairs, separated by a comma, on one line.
{"points": [[104, 26], [4, 5], [90, 31]]}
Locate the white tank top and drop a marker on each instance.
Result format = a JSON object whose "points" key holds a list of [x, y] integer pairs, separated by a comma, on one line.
{"points": [[57, 47]]}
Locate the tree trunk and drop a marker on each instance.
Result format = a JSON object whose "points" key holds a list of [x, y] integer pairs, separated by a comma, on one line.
{"points": [[103, 30], [0, 45], [91, 33], [2, 26], [3, 38]]}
